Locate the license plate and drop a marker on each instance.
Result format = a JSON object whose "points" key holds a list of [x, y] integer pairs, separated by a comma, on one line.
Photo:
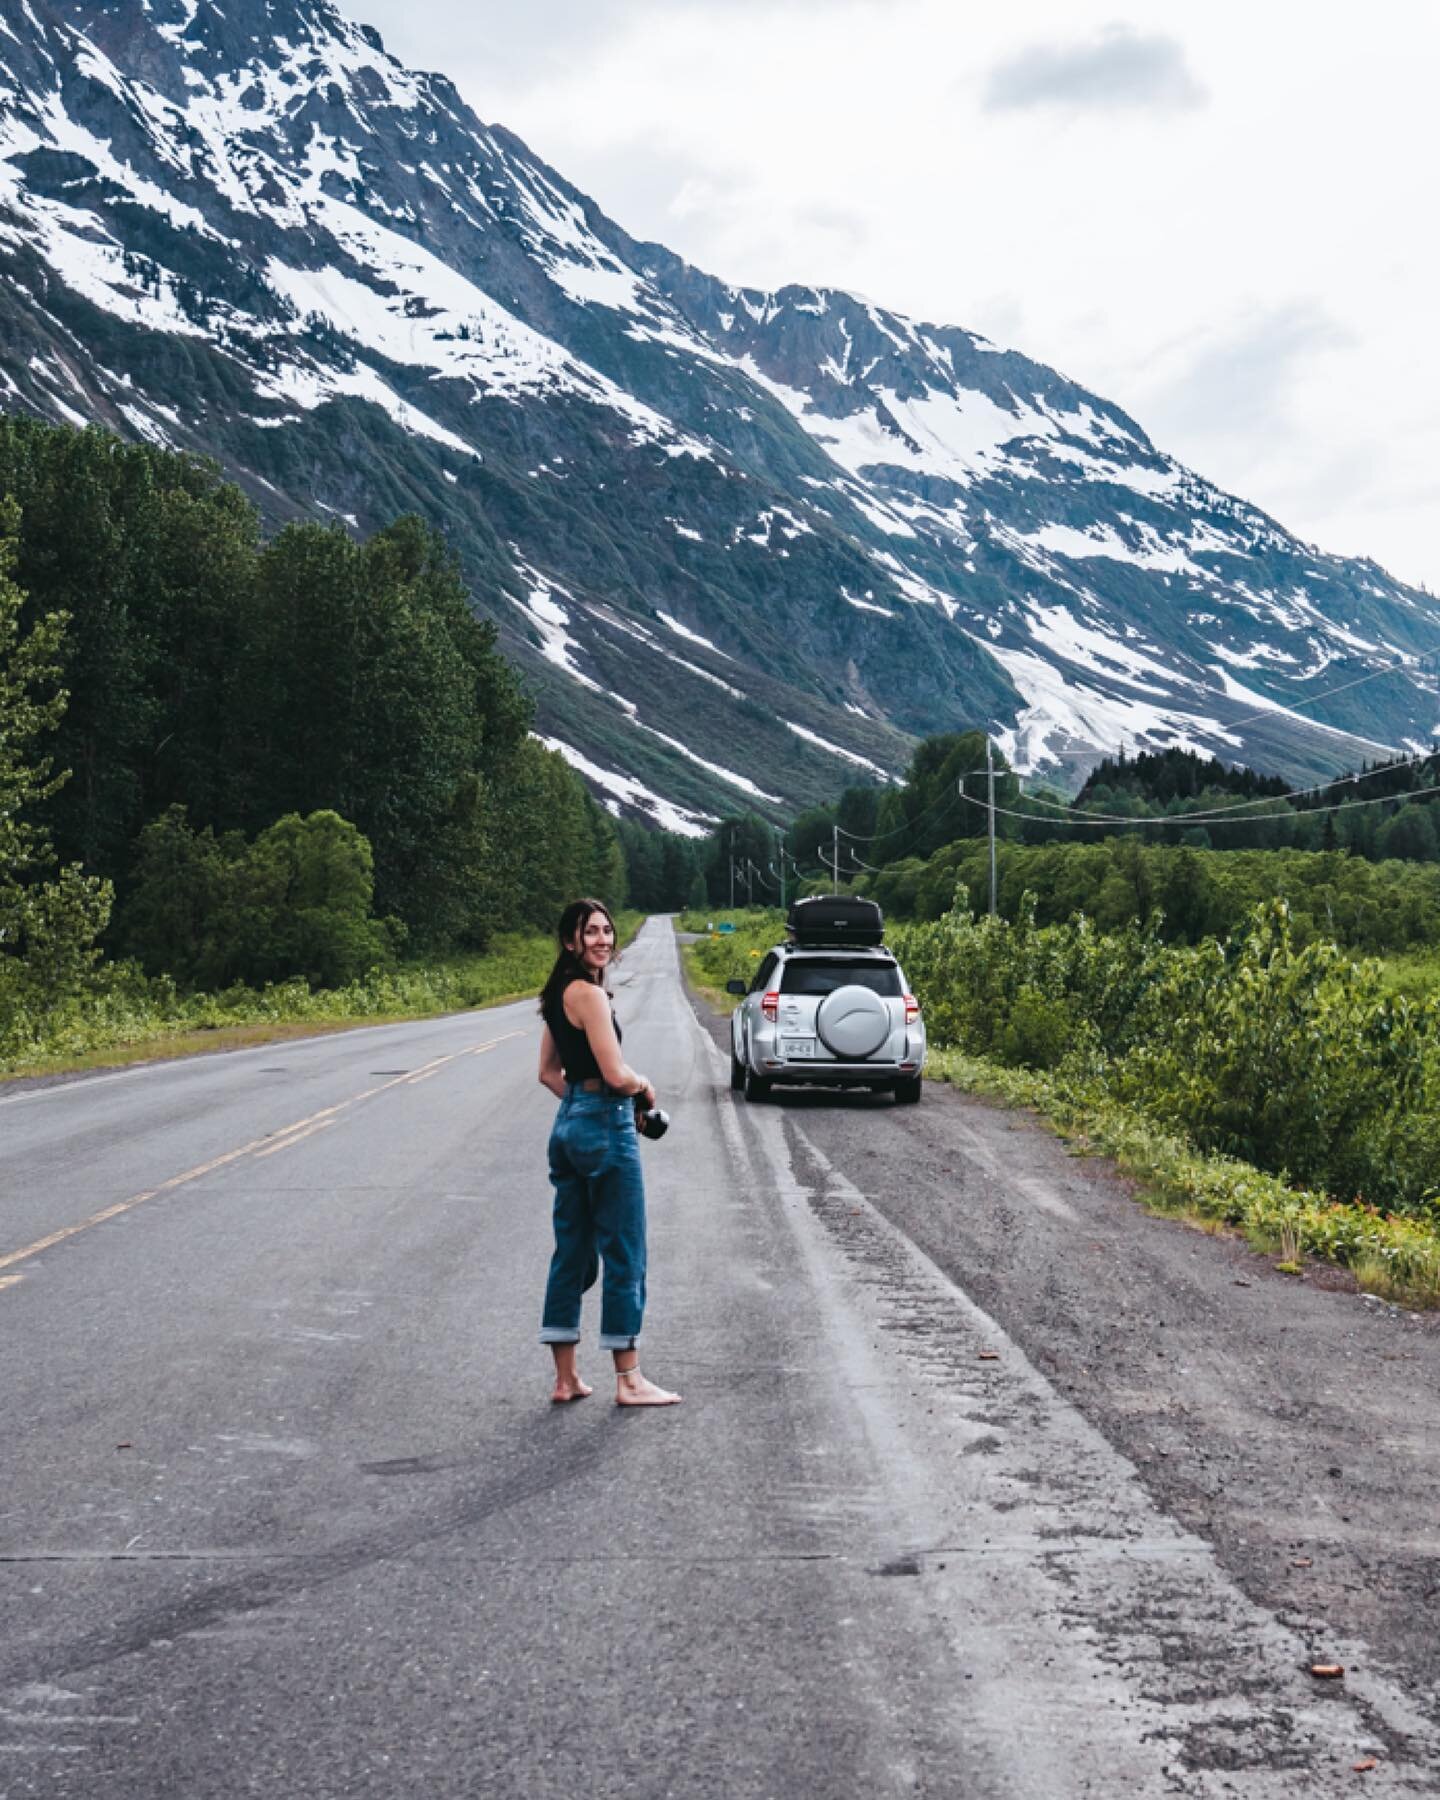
{"points": [[797, 1046]]}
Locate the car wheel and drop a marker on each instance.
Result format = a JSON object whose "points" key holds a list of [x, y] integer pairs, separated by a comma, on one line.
{"points": [[737, 1070], [757, 1087], [907, 1092]]}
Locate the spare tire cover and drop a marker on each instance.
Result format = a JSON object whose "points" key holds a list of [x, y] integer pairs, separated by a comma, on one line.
{"points": [[853, 1022]]}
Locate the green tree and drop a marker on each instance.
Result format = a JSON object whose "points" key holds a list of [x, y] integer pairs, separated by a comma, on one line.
{"points": [[149, 554], [1410, 835], [550, 842], [929, 810], [809, 838], [170, 920], [301, 903], [48, 923], [296, 902], [749, 843]]}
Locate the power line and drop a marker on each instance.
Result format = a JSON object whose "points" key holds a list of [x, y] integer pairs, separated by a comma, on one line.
{"points": [[1218, 812], [941, 805], [1188, 819], [876, 837]]}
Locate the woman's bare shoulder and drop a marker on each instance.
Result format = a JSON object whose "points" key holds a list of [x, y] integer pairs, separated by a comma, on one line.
{"points": [[583, 999]]}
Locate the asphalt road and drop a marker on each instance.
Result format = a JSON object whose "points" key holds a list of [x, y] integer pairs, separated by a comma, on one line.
{"points": [[285, 1510]]}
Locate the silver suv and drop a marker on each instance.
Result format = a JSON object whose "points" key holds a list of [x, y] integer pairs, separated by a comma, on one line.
{"points": [[843, 1017]]}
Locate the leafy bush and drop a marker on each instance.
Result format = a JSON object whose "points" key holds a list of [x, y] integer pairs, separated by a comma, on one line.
{"points": [[296, 902], [1293, 1057], [1038, 1032], [1185, 895]]}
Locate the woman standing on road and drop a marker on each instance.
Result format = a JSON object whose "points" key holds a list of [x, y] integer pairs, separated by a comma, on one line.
{"points": [[594, 1162]]}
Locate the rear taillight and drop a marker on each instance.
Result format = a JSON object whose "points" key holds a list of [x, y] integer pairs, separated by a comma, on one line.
{"points": [[912, 1009], [770, 1005]]}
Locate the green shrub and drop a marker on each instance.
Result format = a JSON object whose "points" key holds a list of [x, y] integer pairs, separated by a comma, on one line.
{"points": [[296, 902], [1292, 1057], [1037, 1033]]}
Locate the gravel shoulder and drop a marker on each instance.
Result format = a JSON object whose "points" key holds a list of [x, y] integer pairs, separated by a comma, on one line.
{"points": [[1293, 1425]]}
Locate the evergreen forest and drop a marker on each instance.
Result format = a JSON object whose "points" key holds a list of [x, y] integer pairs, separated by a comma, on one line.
{"points": [[227, 758]]}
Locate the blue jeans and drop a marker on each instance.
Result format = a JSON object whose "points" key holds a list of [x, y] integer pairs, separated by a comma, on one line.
{"points": [[599, 1216]]}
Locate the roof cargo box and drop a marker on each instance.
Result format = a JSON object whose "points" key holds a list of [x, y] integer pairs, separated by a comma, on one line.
{"points": [[835, 919]]}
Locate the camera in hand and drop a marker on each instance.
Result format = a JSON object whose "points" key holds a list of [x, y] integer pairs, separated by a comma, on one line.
{"points": [[652, 1122]]}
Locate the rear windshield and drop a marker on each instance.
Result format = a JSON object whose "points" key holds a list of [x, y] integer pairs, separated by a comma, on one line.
{"points": [[812, 976]]}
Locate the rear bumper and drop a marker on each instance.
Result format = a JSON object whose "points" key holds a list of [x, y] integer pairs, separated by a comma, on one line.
{"points": [[838, 1074]]}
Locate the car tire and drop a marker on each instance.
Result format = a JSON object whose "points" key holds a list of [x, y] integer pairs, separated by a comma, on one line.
{"points": [[757, 1087], [737, 1071], [907, 1091]]}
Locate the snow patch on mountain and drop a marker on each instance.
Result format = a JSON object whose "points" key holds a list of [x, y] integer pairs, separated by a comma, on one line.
{"points": [[850, 756], [625, 790], [692, 637], [1102, 539], [552, 624], [1092, 647], [730, 776], [867, 605], [1252, 697], [1062, 716]]}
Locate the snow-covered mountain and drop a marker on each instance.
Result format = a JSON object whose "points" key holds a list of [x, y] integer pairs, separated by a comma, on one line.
{"points": [[748, 545]]}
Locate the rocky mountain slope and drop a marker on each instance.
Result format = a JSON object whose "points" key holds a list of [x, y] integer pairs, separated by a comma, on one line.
{"points": [[748, 545]]}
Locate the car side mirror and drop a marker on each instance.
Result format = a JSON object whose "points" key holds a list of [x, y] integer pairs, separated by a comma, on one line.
{"points": [[736, 987]]}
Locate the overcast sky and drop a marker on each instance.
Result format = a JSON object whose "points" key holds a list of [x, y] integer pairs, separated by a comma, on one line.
{"points": [[1219, 215]]}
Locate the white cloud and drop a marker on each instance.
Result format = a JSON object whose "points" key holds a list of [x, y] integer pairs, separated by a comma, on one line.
{"points": [[1119, 68]]}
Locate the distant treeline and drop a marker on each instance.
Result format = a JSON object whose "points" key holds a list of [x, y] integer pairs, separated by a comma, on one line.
{"points": [[1364, 876], [1358, 860], [1187, 894]]}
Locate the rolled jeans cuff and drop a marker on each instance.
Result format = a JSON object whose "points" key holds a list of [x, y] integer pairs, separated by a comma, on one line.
{"points": [[559, 1334], [615, 1341]]}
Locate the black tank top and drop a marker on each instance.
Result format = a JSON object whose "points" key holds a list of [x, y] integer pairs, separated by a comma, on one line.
{"points": [[576, 1057]]}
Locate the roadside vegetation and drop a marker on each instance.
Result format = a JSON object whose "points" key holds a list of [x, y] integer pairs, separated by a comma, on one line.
{"points": [[720, 956], [1281, 1088]]}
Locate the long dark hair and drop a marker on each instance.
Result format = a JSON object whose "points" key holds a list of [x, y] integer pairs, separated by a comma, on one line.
{"points": [[568, 966]]}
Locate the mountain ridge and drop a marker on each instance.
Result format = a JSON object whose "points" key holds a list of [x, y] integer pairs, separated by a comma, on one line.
{"points": [[747, 546]]}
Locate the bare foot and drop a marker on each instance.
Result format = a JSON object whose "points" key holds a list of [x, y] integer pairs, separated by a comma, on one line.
{"points": [[633, 1389], [573, 1389]]}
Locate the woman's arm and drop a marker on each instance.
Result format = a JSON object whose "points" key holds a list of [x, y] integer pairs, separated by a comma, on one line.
{"points": [[552, 1074], [588, 1007]]}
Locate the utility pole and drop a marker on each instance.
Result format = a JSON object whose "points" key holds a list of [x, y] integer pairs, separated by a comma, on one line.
{"points": [[990, 782], [732, 868], [835, 856], [780, 840]]}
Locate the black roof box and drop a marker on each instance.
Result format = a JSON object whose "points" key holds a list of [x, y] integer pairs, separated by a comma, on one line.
{"points": [[829, 920]]}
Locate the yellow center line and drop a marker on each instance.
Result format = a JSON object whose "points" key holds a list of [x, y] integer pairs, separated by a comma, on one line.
{"points": [[429, 1069], [294, 1137], [261, 1146]]}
